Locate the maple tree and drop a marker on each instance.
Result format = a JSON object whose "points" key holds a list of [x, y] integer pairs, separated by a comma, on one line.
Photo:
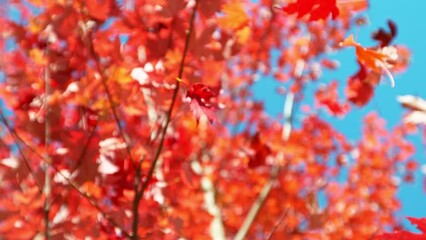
{"points": [[136, 119]]}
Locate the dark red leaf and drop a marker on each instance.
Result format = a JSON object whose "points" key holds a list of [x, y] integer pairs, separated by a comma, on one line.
{"points": [[385, 37], [260, 152]]}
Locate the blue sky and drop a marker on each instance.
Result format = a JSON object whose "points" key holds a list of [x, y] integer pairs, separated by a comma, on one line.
{"points": [[412, 33]]}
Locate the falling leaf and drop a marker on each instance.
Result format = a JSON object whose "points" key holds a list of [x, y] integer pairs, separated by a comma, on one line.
{"points": [[385, 37], [367, 57]]}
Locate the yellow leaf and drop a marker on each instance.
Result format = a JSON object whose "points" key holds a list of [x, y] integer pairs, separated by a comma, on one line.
{"points": [[37, 56], [121, 75], [243, 35], [101, 106], [34, 27], [235, 16]]}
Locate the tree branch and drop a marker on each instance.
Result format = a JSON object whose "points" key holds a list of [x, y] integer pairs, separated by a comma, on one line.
{"points": [[139, 193], [217, 229], [47, 162], [254, 210]]}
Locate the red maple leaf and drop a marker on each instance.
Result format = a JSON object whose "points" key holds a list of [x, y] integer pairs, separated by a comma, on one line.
{"points": [[317, 9], [404, 235], [260, 151], [202, 100]]}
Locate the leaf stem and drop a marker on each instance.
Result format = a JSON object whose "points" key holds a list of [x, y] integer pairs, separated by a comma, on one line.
{"points": [[280, 220]]}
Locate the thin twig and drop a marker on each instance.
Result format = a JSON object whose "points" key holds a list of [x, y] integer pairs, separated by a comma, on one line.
{"points": [[85, 148], [174, 97], [92, 202], [101, 71], [139, 193], [283, 215], [136, 201], [136, 166], [21, 152]]}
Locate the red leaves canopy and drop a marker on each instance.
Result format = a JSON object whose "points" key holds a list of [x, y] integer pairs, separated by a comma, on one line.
{"points": [[92, 137], [420, 224]]}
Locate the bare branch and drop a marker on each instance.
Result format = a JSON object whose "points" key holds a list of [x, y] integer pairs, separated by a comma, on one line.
{"points": [[47, 189]]}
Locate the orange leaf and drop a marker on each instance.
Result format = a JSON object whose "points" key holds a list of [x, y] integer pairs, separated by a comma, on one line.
{"points": [[235, 16], [352, 6], [368, 57], [92, 189], [243, 35]]}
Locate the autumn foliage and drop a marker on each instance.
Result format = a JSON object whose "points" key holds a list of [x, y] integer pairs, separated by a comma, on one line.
{"points": [[136, 119]]}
